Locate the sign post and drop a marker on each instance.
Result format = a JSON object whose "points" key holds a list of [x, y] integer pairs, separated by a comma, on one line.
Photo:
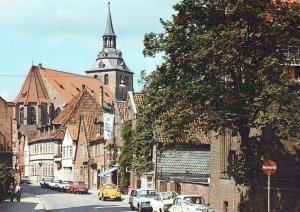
{"points": [[269, 167]]}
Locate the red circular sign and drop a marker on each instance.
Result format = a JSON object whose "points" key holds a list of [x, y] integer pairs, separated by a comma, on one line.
{"points": [[269, 167]]}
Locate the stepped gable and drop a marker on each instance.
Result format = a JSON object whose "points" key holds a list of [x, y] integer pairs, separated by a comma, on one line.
{"points": [[84, 105], [33, 89]]}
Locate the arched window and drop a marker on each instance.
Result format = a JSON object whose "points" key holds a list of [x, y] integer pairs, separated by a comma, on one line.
{"points": [[95, 76], [21, 115], [105, 79], [32, 115]]}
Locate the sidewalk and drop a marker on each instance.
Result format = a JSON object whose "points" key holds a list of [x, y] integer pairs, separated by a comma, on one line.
{"points": [[28, 202]]}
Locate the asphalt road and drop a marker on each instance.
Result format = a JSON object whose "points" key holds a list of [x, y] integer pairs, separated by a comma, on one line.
{"points": [[50, 200]]}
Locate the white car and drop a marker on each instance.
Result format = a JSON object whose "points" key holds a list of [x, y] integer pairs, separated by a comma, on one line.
{"points": [[190, 203], [64, 185], [54, 184], [141, 199], [163, 201]]}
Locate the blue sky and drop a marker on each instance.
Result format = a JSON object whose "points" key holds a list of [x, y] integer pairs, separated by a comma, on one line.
{"points": [[67, 35]]}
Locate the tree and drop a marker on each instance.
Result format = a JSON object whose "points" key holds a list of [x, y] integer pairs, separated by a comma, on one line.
{"points": [[126, 154], [223, 62]]}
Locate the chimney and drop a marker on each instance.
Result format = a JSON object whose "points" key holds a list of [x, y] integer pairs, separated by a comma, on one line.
{"points": [[83, 86], [101, 96], [40, 65]]}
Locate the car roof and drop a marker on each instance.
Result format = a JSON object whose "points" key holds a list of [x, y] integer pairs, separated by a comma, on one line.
{"points": [[141, 189], [191, 195]]}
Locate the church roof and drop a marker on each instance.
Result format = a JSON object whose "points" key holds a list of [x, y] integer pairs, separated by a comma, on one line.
{"points": [[33, 89], [41, 80]]}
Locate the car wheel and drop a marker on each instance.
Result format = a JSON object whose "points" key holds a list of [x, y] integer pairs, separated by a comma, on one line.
{"points": [[118, 199], [140, 208], [131, 206], [103, 198]]}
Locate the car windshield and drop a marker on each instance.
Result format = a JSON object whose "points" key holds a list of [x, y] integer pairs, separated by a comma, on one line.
{"points": [[194, 200], [110, 186], [168, 195], [145, 193], [47, 179], [65, 182]]}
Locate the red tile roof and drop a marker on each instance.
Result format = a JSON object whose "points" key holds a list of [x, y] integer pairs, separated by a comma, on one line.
{"points": [[83, 104], [66, 85]]}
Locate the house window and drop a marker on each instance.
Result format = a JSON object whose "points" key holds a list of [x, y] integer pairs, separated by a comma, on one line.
{"points": [[51, 147], [63, 152], [81, 150], [32, 116], [224, 150], [105, 79], [95, 76], [71, 152], [22, 115]]}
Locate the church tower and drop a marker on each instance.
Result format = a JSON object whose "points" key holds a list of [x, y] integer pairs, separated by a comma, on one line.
{"points": [[110, 66]]}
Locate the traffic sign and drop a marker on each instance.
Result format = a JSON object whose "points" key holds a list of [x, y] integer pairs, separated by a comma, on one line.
{"points": [[269, 167]]}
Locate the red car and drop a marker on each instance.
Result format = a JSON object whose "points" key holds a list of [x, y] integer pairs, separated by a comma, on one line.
{"points": [[78, 187]]}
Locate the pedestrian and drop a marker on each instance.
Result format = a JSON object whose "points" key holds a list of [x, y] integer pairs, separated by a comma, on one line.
{"points": [[18, 191], [11, 192]]}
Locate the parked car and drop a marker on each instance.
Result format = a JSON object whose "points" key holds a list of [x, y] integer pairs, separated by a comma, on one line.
{"points": [[64, 185], [78, 187], [45, 182], [25, 179], [54, 184], [130, 198], [141, 199], [109, 191], [192, 203], [163, 201]]}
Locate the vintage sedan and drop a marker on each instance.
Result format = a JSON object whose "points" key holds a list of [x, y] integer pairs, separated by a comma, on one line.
{"points": [[45, 182], [54, 184], [109, 191], [78, 187], [25, 179], [64, 186], [163, 201], [191, 203], [141, 199]]}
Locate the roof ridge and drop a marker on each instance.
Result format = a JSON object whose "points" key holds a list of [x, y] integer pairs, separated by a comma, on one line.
{"points": [[73, 102]]}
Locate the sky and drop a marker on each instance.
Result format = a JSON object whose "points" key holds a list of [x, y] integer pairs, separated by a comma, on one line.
{"points": [[66, 35]]}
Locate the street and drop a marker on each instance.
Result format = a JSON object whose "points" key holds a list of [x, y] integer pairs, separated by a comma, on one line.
{"points": [[36, 198]]}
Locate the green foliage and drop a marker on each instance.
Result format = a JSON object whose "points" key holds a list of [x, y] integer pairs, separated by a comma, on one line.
{"points": [[126, 154], [223, 60], [143, 141]]}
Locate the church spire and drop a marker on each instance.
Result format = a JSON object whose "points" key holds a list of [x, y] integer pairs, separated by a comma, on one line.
{"points": [[109, 37]]}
